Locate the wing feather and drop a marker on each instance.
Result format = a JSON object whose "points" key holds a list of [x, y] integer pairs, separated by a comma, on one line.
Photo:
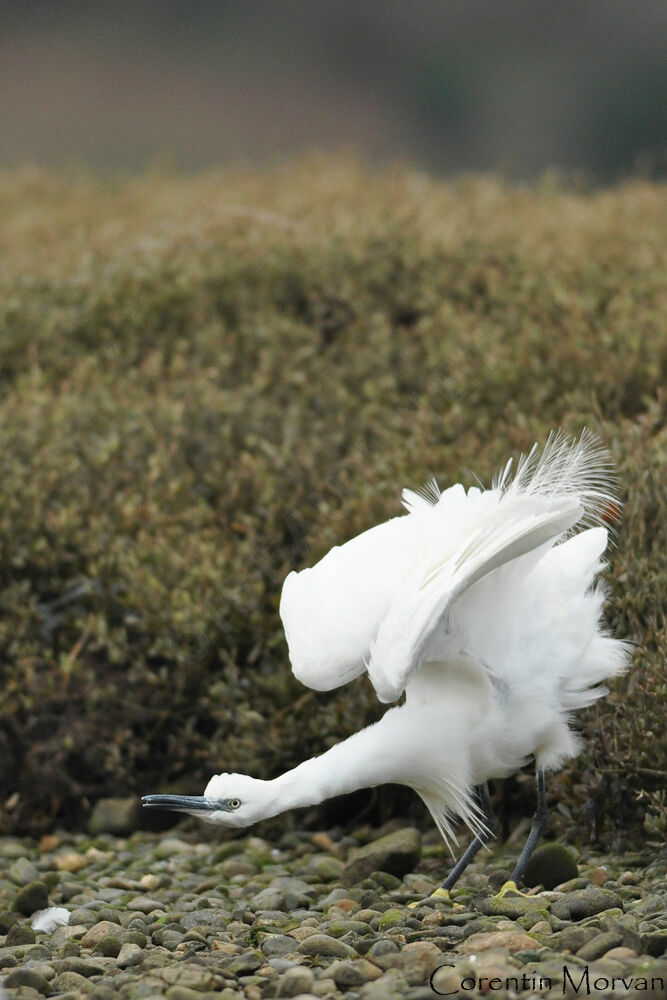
{"points": [[516, 526]]}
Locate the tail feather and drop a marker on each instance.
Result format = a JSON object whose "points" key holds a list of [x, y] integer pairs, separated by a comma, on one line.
{"points": [[566, 467]]}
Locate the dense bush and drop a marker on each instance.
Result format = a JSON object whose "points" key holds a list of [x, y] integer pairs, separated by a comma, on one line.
{"points": [[208, 382]]}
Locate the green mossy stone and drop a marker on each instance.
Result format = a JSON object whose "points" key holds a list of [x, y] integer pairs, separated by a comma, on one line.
{"points": [[20, 933], [391, 918], [31, 898], [550, 865], [109, 946]]}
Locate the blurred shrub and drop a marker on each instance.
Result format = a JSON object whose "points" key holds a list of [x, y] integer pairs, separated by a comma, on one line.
{"points": [[208, 382]]}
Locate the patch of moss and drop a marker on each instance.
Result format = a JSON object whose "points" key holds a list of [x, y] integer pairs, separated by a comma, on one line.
{"points": [[550, 865]]}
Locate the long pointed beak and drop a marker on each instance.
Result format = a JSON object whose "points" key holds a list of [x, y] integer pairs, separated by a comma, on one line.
{"points": [[196, 804]]}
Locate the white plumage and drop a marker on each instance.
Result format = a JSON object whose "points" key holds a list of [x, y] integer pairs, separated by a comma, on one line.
{"points": [[480, 606]]}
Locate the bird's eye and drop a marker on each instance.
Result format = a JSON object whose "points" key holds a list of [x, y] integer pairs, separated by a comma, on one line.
{"points": [[234, 803]]}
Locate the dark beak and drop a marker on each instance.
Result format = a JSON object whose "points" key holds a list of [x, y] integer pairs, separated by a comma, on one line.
{"points": [[185, 803]]}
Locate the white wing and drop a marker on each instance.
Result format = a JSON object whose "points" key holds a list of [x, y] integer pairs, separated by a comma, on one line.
{"points": [[332, 612], [386, 594], [513, 526]]}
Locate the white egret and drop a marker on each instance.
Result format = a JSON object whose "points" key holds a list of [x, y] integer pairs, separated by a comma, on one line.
{"points": [[479, 606]]}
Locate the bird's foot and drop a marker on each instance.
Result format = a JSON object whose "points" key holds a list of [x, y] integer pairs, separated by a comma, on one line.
{"points": [[440, 895], [510, 887]]}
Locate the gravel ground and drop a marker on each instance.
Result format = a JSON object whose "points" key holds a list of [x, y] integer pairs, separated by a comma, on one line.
{"points": [[319, 915]]}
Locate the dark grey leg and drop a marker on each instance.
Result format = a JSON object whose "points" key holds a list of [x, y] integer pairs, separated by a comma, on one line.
{"points": [[540, 820], [479, 841]]}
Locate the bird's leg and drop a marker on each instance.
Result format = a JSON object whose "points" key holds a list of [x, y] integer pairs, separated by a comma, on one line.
{"points": [[538, 827], [479, 840]]}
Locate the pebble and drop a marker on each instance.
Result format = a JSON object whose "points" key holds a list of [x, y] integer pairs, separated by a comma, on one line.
{"points": [[72, 862], [28, 977], [97, 932], [295, 981], [584, 903], [22, 872], [355, 973], [599, 946], [397, 853], [512, 940], [326, 946], [129, 955], [599, 876], [145, 904], [117, 816], [32, 897], [278, 944]]}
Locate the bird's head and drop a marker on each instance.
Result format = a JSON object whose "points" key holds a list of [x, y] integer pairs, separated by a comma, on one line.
{"points": [[229, 799]]}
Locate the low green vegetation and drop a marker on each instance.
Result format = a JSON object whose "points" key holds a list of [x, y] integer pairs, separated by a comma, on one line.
{"points": [[208, 382]]}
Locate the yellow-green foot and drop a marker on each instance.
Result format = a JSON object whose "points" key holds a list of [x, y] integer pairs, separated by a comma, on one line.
{"points": [[438, 893], [511, 887]]}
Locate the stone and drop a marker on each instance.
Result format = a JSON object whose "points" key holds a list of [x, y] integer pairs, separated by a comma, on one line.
{"points": [[621, 954], [129, 955], [98, 932], [584, 903], [392, 917], [86, 967], [168, 846], [145, 904], [599, 946], [324, 842], [22, 872], [599, 876], [109, 947], [210, 918], [512, 940], [71, 862], [420, 960], [189, 976], [541, 927], [391, 984], [346, 905], [351, 974], [446, 981], [27, 976], [278, 944], [385, 946], [397, 853], [295, 981], [550, 865], [269, 899], [655, 943], [301, 933], [117, 816], [245, 964], [49, 842], [511, 906], [32, 897], [67, 981], [150, 882], [571, 939], [324, 987], [326, 946], [11, 848], [20, 934], [326, 868]]}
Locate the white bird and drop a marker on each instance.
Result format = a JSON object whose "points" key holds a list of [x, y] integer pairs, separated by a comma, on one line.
{"points": [[481, 608]]}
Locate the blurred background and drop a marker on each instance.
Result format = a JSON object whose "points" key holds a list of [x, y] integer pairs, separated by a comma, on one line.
{"points": [[446, 85]]}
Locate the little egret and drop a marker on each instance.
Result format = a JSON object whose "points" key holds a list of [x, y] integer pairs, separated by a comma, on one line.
{"points": [[479, 606]]}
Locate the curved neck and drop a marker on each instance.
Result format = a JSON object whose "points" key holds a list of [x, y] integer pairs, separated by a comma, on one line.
{"points": [[368, 758]]}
